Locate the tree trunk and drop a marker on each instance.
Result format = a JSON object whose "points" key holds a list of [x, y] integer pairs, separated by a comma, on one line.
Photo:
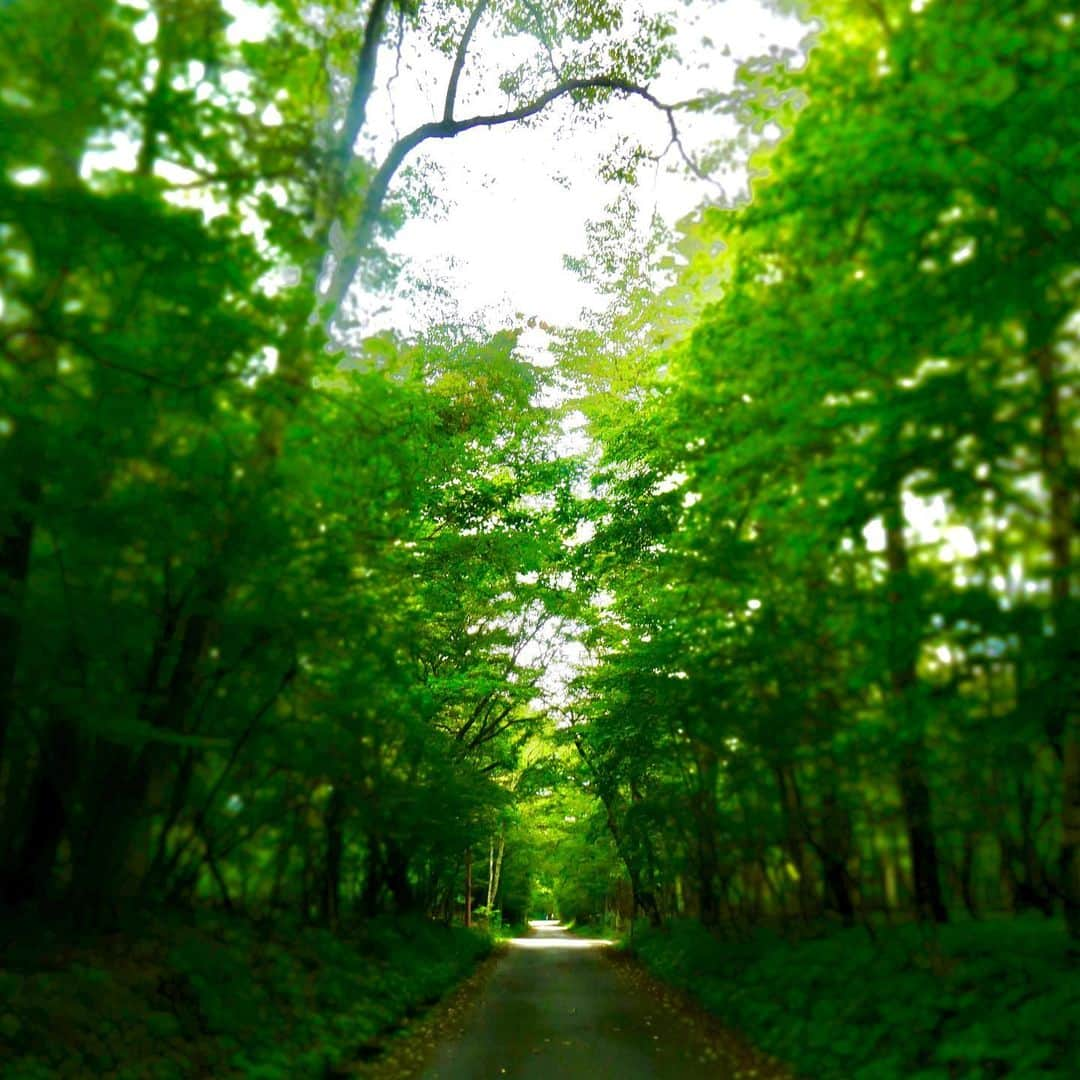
{"points": [[468, 886], [47, 809], [1033, 888], [335, 845], [967, 874], [283, 857], [156, 876], [1063, 723], [795, 829], [914, 788], [643, 898], [15, 548], [24, 463], [373, 881], [915, 797], [1070, 848], [708, 857], [835, 849], [495, 858], [397, 877], [652, 906], [113, 848], [491, 876], [498, 865], [215, 873]]}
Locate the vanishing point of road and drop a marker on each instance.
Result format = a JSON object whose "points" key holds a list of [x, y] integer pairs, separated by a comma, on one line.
{"points": [[556, 1009]]}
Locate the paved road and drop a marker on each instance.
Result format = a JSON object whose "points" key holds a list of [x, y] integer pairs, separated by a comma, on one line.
{"points": [[555, 1009]]}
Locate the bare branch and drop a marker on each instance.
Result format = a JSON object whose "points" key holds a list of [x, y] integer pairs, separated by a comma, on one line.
{"points": [[538, 15], [397, 72], [346, 269], [459, 59], [364, 81]]}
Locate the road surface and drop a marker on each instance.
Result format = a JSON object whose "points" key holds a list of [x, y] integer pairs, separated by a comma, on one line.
{"points": [[556, 1009]]}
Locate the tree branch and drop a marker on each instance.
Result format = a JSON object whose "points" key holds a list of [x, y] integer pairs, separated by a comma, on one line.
{"points": [[397, 72], [459, 59], [541, 35], [365, 78], [346, 269]]}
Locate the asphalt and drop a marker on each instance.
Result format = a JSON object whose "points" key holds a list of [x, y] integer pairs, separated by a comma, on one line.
{"points": [[556, 1009]]}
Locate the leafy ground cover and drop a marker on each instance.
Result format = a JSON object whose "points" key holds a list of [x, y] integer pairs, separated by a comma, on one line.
{"points": [[510, 930], [986, 999], [221, 997], [591, 931]]}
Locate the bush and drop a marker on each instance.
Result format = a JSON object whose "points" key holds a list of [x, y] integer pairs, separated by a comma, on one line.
{"points": [[221, 998], [978, 1000]]}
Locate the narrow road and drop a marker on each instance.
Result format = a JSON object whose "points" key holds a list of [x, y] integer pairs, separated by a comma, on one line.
{"points": [[555, 1009]]}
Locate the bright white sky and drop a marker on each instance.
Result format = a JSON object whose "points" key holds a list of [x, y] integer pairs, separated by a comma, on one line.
{"points": [[515, 201], [511, 202]]}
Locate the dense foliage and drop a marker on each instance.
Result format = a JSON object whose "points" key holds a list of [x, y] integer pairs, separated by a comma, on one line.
{"points": [[990, 999], [221, 997], [268, 585], [283, 601], [836, 633]]}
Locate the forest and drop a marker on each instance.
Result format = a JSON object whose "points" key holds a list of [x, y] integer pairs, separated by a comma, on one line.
{"points": [[739, 618]]}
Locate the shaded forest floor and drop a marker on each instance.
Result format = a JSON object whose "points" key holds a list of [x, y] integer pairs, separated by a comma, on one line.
{"points": [[570, 1012], [732, 1053], [973, 1000], [218, 997]]}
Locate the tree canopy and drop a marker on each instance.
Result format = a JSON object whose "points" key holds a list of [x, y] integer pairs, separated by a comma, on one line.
{"points": [[286, 607]]}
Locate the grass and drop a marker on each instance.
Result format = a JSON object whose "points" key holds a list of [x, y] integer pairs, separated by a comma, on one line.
{"points": [[506, 931], [220, 997], [978, 1000], [591, 931]]}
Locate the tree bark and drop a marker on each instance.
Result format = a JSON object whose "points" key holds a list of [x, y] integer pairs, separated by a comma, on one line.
{"points": [[48, 817], [1063, 723], [914, 788], [835, 849], [796, 828], [495, 858], [335, 845], [708, 859], [468, 886], [15, 548]]}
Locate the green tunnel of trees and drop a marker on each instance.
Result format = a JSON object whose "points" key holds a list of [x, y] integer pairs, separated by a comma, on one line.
{"points": [[277, 632]]}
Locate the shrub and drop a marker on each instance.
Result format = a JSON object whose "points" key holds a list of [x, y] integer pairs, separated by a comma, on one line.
{"points": [[977, 1000]]}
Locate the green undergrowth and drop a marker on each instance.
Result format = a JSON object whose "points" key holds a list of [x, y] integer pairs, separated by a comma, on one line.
{"points": [[508, 931], [591, 931], [221, 997], [976, 1000]]}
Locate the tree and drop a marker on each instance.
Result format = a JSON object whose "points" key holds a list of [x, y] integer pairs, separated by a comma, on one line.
{"points": [[866, 358], [161, 349]]}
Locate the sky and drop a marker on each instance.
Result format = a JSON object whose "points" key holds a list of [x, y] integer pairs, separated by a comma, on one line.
{"points": [[511, 203], [514, 201]]}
